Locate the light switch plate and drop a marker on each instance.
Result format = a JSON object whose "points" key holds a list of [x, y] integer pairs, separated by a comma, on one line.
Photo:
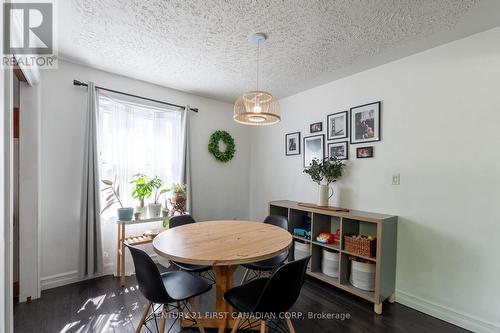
{"points": [[395, 179]]}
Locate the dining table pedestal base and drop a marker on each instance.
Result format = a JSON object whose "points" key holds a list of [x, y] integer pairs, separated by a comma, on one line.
{"points": [[223, 317]]}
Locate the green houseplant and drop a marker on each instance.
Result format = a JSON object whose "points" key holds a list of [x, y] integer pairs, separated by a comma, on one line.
{"points": [[154, 208], [324, 173], [112, 193], [142, 189]]}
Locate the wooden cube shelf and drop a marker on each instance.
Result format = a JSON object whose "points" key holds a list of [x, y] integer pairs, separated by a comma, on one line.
{"points": [[383, 227]]}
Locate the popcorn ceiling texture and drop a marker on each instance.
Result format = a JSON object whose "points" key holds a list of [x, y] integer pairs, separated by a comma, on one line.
{"points": [[203, 46]]}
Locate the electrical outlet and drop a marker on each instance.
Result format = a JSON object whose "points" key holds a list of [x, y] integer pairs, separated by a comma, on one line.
{"points": [[395, 179]]}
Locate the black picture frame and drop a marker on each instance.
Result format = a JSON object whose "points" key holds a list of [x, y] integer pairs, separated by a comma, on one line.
{"points": [[321, 157], [340, 143], [369, 151], [329, 125], [373, 124], [316, 127], [287, 153]]}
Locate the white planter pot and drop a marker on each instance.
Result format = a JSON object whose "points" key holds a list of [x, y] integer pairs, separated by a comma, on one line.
{"points": [[324, 195], [154, 210]]}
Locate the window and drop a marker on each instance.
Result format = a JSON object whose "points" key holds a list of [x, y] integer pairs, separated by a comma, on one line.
{"points": [[137, 138]]}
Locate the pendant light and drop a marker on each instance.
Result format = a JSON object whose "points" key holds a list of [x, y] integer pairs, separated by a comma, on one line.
{"points": [[257, 108]]}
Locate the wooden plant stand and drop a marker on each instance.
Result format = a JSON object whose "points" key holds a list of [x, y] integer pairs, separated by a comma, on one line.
{"points": [[130, 240]]}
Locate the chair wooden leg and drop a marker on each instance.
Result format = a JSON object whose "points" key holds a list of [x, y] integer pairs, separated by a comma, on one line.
{"points": [[143, 317], [192, 305], [243, 279], [263, 327], [289, 325], [236, 324], [163, 319]]}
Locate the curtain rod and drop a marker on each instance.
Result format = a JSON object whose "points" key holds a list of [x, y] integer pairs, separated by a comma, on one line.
{"points": [[83, 84]]}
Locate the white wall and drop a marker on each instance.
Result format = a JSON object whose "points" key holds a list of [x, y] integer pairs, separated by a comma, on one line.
{"points": [[29, 186], [440, 131], [220, 191]]}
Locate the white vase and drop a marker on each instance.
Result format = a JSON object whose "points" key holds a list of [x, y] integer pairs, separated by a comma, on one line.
{"points": [[154, 210], [324, 195]]}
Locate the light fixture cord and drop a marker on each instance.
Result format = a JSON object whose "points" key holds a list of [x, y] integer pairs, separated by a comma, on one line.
{"points": [[258, 56]]}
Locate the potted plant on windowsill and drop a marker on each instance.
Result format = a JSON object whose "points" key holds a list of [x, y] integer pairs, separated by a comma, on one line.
{"points": [[154, 208], [142, 189], [112, 192], [178, 199], [324, 173]]}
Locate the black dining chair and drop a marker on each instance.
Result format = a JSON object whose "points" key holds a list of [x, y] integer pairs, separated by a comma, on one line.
{"points": [[171, 291], [268, 265], [270, 298], [202, 270]]}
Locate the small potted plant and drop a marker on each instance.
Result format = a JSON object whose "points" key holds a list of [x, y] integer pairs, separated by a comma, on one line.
{"points": [[142, 189], [178, 199], [326, 171], [154, 208], [165, 211], [112, 192]]}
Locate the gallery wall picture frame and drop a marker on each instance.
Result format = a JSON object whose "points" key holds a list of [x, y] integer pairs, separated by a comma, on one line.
{"points": [[314, 148], [338, 149], [337, 125], [364, 152], [316, 127], [366, 123], [292, 144]]}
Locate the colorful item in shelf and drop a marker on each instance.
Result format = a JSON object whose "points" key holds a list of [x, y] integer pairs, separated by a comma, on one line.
{"points": [[302, 233], [336, 237], [325, 238]]}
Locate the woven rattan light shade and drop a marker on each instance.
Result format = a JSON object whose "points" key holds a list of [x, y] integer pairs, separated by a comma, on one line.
{"points": [[257, 108]]}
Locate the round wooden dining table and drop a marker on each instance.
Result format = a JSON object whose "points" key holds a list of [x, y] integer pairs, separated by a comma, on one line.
{"points": [[224, 245]]}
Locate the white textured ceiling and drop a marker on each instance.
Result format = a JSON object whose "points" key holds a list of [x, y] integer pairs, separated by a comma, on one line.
{"points": [[202, 46]]}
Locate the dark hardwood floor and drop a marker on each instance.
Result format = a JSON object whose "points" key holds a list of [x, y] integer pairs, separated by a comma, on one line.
{"points": [[100, 305]]}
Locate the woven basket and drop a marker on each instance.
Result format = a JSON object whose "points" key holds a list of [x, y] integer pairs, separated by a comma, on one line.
{"points": [[360, 246]]}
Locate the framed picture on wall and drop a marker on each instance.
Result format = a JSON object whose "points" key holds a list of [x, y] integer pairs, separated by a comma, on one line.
{"points": [[337, 125], [338, 149], [365, 123], [316, 127], [364, 152], [314, 148], [292, 144]]}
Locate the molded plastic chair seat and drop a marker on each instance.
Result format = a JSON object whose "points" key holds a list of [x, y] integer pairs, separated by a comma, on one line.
{"points": [[177, 221], [271, 264], [268, 264], [269, 296], [182, 286], [175, 288], [191, 267], [244, 298]]}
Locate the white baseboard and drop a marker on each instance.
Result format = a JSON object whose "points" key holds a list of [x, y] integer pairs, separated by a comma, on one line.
{"points": [[58, 280], [447, 314]]}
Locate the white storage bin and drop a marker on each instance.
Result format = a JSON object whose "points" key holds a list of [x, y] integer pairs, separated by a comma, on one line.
{"points": [[330, 263], [362, 275], [301, 250]]}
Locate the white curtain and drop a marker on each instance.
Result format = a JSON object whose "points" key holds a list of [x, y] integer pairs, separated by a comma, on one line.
{"points": [[91, 262], [136, 138]]}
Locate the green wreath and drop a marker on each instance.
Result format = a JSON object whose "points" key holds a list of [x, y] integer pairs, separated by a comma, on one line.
{"points": [[213, 146]]}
